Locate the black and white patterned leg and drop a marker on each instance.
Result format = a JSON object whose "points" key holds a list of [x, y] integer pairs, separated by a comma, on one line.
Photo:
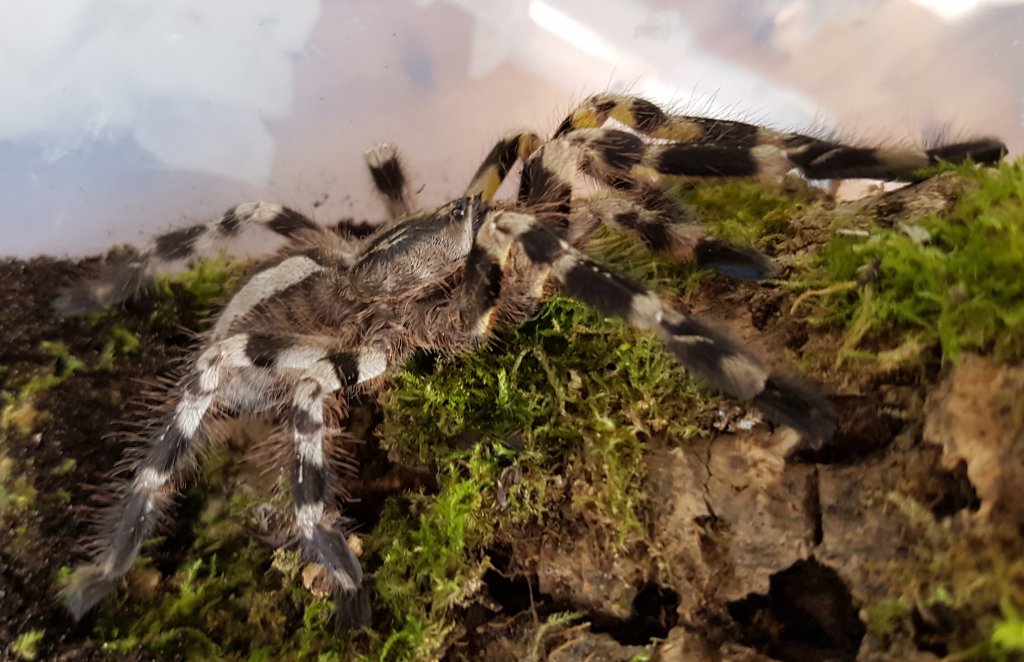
{"points": [[389, 180], [498, 163], [664, 227], [730, 148], [316, 519], [142, 501], [707, 352], [125, 277]]}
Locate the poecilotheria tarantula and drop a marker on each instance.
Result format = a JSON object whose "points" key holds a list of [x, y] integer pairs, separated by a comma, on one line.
{"points": [[333, 313]]}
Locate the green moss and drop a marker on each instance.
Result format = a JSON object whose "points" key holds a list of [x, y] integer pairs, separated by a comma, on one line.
{"points": [[65, 467], [553, 623], [563, 405], [25, 645], [19, 408], [580, 392], [970, 579], [886, 618], [121, 342], [746, 212], [17, 494], [960, 291], [1007, 639], [434, 564], [198, 291]]}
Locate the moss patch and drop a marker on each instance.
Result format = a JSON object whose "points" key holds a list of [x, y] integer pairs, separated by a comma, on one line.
{"points": [[745, 212], [564, 405], [953, 283]]}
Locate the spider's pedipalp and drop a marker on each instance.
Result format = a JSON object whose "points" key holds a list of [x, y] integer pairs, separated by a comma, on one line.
{"points": [[126, 276], [389, 180]]}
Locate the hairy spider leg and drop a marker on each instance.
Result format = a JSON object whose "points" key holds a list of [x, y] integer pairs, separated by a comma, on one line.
{"points": [[657, 220], [324, 372], [316, 368], [700, 348], [170, 451], [124, 279], [664, 226], [499, 161], [389, 180], [731, 148]]}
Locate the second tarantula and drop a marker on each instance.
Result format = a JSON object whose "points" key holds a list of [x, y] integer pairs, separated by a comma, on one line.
{"points": [[333, 313]]}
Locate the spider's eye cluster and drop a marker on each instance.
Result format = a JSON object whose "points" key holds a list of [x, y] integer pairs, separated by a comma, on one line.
{"points": [[459, 209]]}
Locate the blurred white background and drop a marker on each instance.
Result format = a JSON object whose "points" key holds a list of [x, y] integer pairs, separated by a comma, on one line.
{"points": [[123, 119]]}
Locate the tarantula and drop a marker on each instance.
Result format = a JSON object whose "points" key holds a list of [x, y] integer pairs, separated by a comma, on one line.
{"points": [[333, 312]]}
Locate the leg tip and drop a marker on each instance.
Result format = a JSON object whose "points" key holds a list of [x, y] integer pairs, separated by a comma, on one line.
{"points": [[352, 608], [734, 261], [788, 402], [87, 585], [987, 151]]}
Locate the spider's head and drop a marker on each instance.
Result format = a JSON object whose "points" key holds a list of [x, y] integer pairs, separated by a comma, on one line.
{"points": [[422, 249], [464, 218]]}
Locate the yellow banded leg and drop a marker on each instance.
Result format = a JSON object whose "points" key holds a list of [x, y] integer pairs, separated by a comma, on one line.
{"points": [[499, 161]]}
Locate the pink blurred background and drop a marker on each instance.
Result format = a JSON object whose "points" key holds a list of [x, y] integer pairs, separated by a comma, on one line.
{"points": [[122, 122]]}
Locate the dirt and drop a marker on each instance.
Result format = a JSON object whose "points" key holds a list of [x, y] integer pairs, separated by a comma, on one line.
{"points": [[72, 426], [756, 549]]}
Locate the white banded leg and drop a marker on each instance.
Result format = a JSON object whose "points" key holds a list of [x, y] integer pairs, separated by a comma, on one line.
{"points": [[707, 352], [315, 517], [170, 451], [123, 279], [663, 226], [704, 146]]}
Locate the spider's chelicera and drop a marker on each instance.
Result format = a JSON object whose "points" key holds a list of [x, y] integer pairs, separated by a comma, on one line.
{"points": [[333, 313]]}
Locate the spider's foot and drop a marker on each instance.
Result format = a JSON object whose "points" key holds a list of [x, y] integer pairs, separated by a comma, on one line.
{"points": [[119, 281], [988, 151], [86, 586], [352, 608], [345, 574], [788, 402], [734, 261]]}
